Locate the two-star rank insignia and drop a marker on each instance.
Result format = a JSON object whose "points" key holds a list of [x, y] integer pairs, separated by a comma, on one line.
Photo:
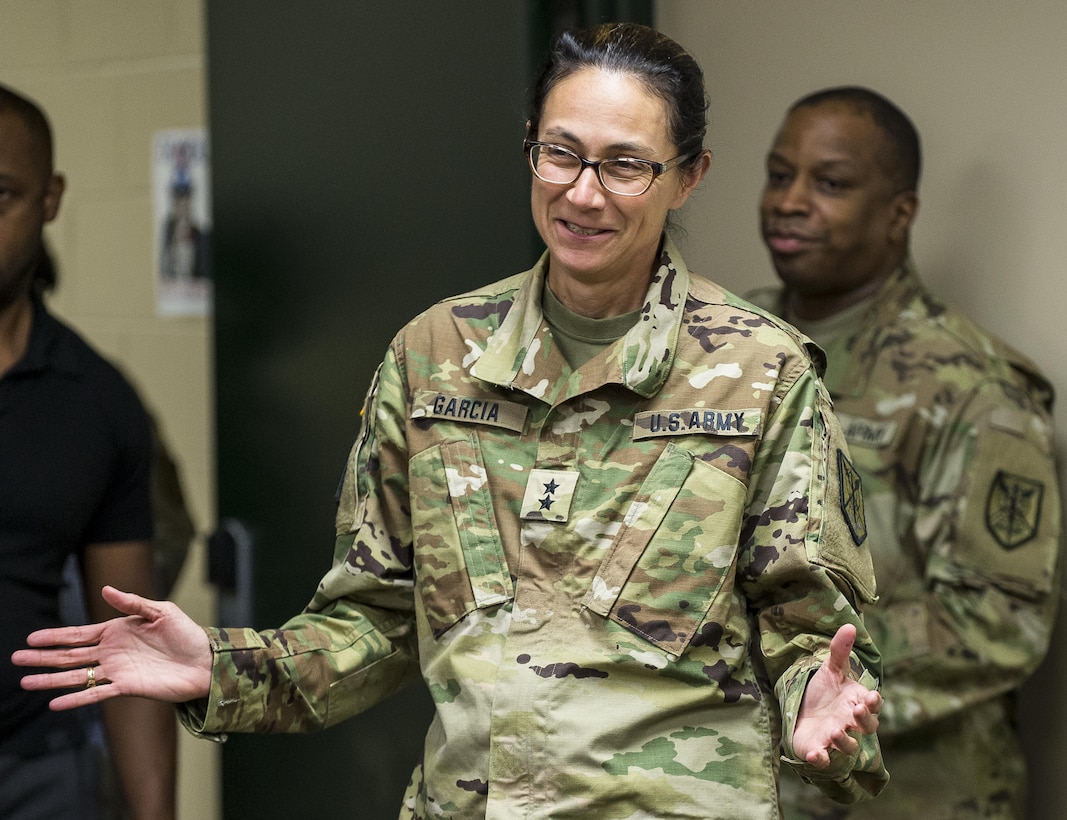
{"points": [[1013, 509], [548, 495], [851, 498]]}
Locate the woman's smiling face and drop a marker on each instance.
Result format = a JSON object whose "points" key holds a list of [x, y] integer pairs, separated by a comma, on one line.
{"points": [[595, 237]]}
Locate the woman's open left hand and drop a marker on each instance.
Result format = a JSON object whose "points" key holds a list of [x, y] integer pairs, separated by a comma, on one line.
{"points": [[833, 706]]}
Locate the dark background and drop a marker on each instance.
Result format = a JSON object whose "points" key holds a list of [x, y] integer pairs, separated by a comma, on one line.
{"points": [[366, 162]]}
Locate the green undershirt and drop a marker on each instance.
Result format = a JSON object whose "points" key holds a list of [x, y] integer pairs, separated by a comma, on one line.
{"points": [[833, 332], [579, 337]]}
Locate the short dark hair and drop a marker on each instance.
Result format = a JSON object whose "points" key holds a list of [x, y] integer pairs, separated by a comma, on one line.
{"points": [[659, 62], [35, 119], [904, 165]]}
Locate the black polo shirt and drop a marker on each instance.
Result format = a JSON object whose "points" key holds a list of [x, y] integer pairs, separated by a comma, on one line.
{"points": [[75, 455]]}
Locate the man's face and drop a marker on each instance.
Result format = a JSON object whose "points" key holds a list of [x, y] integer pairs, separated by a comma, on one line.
{"points": [[831, 215], [29, 197]]}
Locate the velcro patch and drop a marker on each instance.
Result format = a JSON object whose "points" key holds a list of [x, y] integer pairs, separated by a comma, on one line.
{"points": [[469, 409], [548, 495], [1013, 509], [851, 498], [862, 432], [697, 421]]}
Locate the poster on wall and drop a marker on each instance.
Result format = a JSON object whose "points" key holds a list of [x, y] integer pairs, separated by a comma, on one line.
{"points": [[181, 206]]}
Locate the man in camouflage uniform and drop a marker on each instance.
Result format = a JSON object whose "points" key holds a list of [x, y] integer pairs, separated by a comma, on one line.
{"points": [[951, 432], [582, 563]]}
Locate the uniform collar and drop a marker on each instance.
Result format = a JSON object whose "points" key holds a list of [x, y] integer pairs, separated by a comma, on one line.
{"points": [[865, 337], [515, 354]]}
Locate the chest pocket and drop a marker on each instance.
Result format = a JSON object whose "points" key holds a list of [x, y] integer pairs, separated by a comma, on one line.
{"points": [[458, 557], [676, 549]]}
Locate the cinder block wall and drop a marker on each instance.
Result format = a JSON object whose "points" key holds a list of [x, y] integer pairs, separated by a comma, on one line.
{"points": [[111, 73]]}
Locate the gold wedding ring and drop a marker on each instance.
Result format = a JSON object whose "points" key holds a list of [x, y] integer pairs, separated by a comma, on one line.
{"points": [[90, 677]]}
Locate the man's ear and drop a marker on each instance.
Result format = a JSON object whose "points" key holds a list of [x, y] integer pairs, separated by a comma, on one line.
{"points": [[905, 207], [53, 196]]}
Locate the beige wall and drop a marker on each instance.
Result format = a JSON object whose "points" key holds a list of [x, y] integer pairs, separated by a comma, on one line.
{"points": [[110, 73], [986, 83]]}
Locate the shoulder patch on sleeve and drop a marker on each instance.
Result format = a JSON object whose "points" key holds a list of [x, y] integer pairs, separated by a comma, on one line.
{"points": [[1013, 508], [851, 497]]}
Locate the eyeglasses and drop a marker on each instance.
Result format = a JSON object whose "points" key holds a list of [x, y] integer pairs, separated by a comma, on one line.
{"points": [[625, 176]]}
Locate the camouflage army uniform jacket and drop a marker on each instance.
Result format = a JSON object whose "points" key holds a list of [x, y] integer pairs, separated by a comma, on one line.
{"points": [[951, 432], [613, 581]]}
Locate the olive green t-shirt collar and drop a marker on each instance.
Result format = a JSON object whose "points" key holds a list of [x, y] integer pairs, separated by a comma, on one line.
{"points": [[579, 337], [840, 326]]}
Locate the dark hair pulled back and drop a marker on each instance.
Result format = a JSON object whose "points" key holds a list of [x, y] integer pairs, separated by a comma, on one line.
{"points": [[666, 69]]}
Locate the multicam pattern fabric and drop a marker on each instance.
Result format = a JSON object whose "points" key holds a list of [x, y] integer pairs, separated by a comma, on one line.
{"points": [[628, 653], [951, 433]]}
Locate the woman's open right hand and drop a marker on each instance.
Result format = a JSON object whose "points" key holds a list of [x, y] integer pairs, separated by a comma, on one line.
{"points": [[156, 651]]}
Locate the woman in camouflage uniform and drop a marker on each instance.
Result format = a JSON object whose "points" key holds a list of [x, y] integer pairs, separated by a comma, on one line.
{"points": [[601, 506]]}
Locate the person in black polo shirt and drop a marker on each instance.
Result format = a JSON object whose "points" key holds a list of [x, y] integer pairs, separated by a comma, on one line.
{"points": [[75, 459]]}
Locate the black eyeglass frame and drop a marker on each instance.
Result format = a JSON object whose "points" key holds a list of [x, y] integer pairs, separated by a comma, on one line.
{"points": [[657, 168]]}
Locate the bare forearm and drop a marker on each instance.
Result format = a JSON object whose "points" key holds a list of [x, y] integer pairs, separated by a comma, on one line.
{"points": [[141, 733], [142, 737]]}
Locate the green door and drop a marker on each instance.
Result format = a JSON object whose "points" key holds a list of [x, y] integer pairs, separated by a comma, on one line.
{"points": [[366, 161]]}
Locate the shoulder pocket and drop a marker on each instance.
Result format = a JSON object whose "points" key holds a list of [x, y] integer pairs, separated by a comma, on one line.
{"points": [[1008, 517], [837, 536]]}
